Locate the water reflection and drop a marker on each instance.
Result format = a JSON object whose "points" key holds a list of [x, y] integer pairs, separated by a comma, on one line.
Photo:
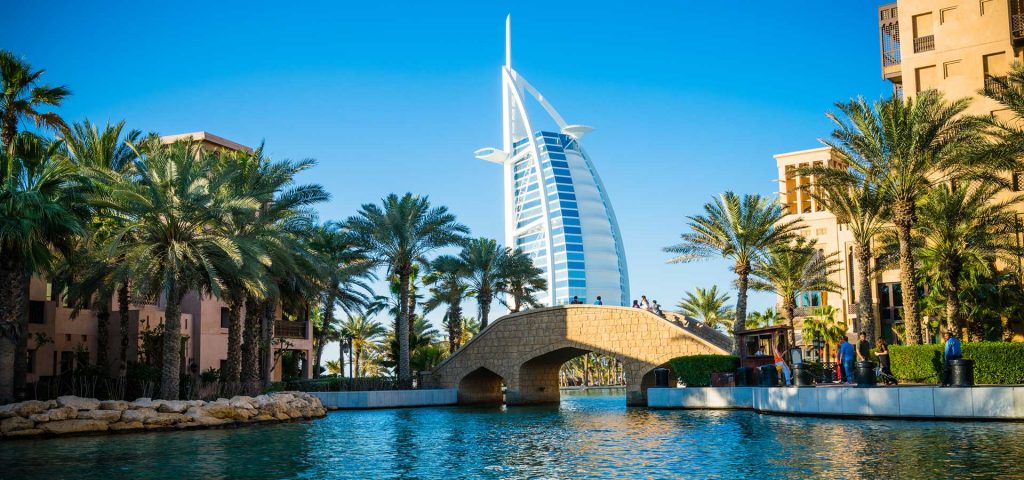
{"points": [[584, 437]]}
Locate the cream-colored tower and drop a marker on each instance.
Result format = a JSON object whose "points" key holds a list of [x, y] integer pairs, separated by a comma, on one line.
{"points": [[954, 46]]}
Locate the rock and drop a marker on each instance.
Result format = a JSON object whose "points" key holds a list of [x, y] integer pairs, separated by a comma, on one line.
{"points": [[120, 426], [165, 419], [74, 426], [66, 412], [14, 424], [207, 421], [294, 413], [242, 401], [146, 403], [119, 405], [103, 415], [173, 406], [282, 416], [39, 417], [138, 415], [219, 410], [7, 411], [28, 407], [24, 433], [78, 403], [195, 403]]}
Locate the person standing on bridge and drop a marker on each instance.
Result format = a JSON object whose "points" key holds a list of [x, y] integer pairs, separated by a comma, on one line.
{"points": [[598, 301], [644, 303], [636, 304]]}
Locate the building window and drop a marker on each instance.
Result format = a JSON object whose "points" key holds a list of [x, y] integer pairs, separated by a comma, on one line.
{"points": [[995, 67], [924, 35], [37, 312], [225, 317], [925, 77], [67, 362], [809, 299]]}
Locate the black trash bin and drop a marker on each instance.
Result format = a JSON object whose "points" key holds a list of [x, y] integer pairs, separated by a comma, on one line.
{"points": [[802, 375], [865, 373], [961, 372], [744, 377], [769, 376], [661, 377]]}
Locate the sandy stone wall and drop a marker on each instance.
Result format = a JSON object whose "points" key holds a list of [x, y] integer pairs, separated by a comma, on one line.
{"points": [[71, 415], [526, 349]]}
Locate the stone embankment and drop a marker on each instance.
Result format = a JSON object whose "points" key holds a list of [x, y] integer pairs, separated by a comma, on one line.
{"points": [[76, 415]]}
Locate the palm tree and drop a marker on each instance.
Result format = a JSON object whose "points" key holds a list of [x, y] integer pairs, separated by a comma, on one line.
{"points": [[1007, 152], [363, 332], [769, 317], [42, 211], [483, 260], [822, 324], [22, 95], [399, 234], [707, 305], [470, 328], [737, 229], [334, 367], [905, 146], [345, 278], [858, 203], [966, 231], [520, 281], [105, 158], [448, 287], [790, 269], [173, 239]]}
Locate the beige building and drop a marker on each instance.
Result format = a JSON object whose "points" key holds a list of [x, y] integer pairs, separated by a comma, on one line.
{"points": [[954, 46], [59, 341]]}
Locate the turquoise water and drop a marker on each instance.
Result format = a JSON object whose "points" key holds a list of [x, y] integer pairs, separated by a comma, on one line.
{"points": [[586, 436]]}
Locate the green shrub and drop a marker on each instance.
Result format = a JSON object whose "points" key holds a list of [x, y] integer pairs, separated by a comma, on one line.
{"points": [[696, 370], [995, 363]]}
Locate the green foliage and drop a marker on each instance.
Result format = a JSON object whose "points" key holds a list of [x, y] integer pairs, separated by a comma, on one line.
{"points": [[709, 306], [696, 370], [998, 363], [210, 375]]}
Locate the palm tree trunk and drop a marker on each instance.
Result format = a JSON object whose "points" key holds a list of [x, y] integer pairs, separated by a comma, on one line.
{"points": [[266, 345], [122, 317], [739, 324], [250, 351], [21, 345], [321, 342], [865, 313], [11, 301], [485, 308], [953, 324], [789, 312], [903, 214], [404, 375], [359, 354], [233, 365], [103, 334], [170, 367]]}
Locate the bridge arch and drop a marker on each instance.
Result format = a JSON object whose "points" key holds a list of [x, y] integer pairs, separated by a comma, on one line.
{"points": [[526, 350]]}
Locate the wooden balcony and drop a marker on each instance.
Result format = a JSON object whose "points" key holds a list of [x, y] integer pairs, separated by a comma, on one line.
{"points": [[288, 329], [924, 44]]}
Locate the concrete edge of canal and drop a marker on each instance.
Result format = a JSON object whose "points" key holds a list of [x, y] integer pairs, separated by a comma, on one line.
{"points": [[1000, 403]]}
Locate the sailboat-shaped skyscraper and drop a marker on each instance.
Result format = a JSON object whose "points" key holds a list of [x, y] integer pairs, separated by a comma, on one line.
{"points": [[556, 208]]}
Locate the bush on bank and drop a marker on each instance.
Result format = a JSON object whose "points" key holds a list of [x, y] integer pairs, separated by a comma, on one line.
{"points": [[696, 370], [995, 363]]}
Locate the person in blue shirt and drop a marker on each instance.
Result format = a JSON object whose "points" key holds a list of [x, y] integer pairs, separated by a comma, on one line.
{"points": [[951, 352], [598, 301], [846, 355]]}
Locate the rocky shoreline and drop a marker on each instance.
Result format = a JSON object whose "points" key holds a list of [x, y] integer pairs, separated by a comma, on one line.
{"points": [[71, 415]]}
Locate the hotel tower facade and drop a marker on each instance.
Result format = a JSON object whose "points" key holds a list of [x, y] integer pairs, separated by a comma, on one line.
{"points": [[556, 208]]}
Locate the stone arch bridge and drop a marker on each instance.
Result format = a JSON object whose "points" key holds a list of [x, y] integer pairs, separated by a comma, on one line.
{"points": [[525, 350]]}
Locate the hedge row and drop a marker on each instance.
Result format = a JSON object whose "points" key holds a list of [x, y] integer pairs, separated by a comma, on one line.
{"points": [[995, 363], [696, 370]]}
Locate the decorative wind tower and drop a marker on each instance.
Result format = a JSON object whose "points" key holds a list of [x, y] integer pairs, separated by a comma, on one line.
{"points": [[556, 208]]}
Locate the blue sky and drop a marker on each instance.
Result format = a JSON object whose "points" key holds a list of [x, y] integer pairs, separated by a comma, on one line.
{"points": [[688, 98]]}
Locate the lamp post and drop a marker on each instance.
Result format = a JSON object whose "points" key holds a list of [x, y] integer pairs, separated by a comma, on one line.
{"points": [[817, 344]]}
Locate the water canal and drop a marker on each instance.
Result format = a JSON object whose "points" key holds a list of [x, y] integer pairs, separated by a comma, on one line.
{"points": [[587, 436]]}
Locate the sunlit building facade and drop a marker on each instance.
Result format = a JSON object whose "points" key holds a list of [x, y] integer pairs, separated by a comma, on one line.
{"points": [[556, 208]]}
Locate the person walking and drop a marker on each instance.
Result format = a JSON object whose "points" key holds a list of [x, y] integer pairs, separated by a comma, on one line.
{"points": [[780, 365], [846, 356], [863, 347], [952, 351], [598, 301], [883, 362], [636, 304]]}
